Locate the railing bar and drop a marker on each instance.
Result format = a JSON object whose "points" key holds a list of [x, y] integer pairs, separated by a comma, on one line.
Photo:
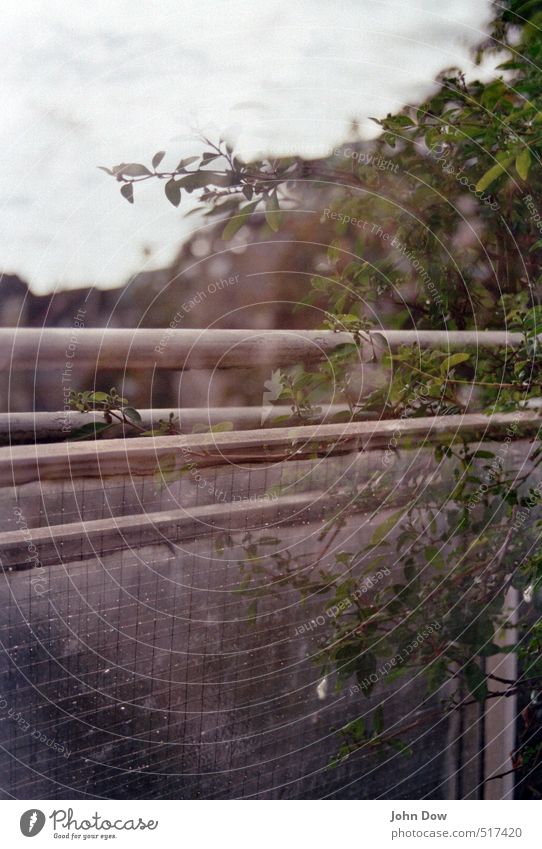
{"points": [[28, 348], [30, 426], [163, 526], [140, 456]]}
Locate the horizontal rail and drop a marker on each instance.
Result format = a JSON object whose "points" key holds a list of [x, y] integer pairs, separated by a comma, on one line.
{"points": [[79, 540], [20, 428], [145, 456], [32, 348], [49, 427]]}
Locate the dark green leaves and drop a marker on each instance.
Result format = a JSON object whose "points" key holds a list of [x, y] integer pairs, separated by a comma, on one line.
{"points": [[127, 191], [173, 191], [378, 720], [98, 397], [134, 169], [221, 427], [157, 158], [454, 360], [132, 414], [185, 162], [235, 223], [494, 172], [88, 431], [351, 661], [476, 681], [116, 411], [523, 163], [382, 531], [272, 212]]}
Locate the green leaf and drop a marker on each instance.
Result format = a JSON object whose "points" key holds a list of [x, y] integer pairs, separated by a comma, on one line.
{"points": [[491, 175], [195, 180], [135, 170], [533, 321], [383, 529], [437, 673], [490, 649], [187, 161], [221, 427], [157, 158], [433, 556], [235, 223], [343, 557], [476, 681], [98, 397], [201, 179], [277, 420], [272, 212], [523, 163], [92, 429], [127, 191], [132, 414], [452, 361], [173, 192], [401, 746], [252, 611], [357, 728], [333, 250], [378, 720]]}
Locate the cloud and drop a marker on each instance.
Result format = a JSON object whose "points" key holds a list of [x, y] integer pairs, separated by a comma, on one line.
{"points": [[89, 85]]}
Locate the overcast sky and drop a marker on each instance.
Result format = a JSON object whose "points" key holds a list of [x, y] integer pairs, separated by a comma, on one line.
{"points": [[86, 84]]}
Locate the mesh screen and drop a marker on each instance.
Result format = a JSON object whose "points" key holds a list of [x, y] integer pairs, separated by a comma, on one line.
{"points": [[149, 658]]}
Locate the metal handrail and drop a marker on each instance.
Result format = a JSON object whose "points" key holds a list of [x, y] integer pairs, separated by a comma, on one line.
{"points": [[31, 348]]}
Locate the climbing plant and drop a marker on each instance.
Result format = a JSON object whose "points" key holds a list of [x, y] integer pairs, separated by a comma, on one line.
{"points": [[433, 225]]}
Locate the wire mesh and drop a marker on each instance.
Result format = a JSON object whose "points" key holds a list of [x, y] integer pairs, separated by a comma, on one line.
{"points": [[134, 665]]}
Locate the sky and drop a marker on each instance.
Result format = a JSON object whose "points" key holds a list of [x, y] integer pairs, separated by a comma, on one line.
{"points": [[87, 84]]}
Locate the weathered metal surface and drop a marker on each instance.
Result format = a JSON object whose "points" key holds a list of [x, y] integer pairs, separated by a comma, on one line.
{"points": [[29, 348], [148, 455], [18, 428]]}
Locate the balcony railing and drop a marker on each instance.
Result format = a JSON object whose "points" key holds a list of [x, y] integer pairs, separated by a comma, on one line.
{"points": [[116, 546]]}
